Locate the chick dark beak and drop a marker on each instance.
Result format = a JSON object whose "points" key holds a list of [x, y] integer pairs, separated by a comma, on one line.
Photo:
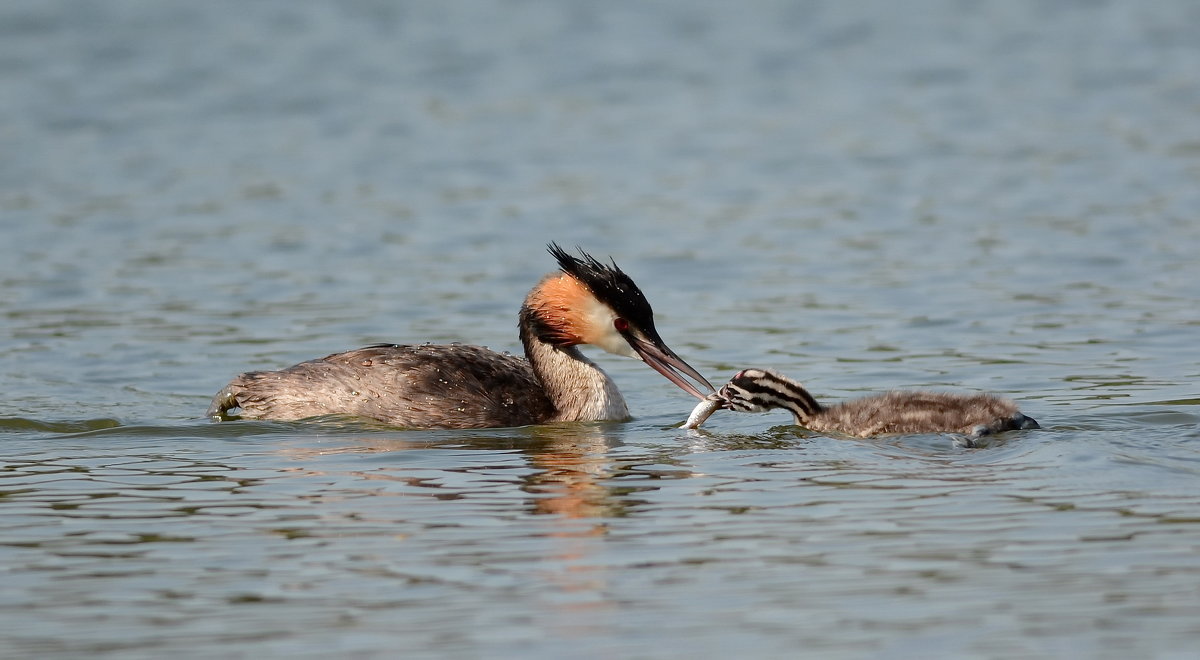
{"points": [[663, 360]]}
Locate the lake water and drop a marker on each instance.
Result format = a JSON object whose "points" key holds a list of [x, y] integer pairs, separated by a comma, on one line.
{"points": [[999, 196]]}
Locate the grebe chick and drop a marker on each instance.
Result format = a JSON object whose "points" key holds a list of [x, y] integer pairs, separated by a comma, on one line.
{"points": [[458, 386], [898, 411]]}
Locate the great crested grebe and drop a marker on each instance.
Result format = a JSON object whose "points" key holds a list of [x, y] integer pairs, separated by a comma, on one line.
{"points": [[898, 411], [460, 386]]}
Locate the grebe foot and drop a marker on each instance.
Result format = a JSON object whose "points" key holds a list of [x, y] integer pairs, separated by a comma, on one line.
{"points": [[1024, 422], [224, 401]]}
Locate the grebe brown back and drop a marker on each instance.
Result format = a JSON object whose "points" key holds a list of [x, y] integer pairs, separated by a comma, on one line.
{"points": [[898, 411], [460, 386]]}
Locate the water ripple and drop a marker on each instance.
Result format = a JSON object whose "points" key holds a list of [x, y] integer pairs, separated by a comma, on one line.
{"points": [[934, 194]]}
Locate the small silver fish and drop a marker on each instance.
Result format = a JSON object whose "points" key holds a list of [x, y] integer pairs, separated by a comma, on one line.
{"points": [[707, 406]]}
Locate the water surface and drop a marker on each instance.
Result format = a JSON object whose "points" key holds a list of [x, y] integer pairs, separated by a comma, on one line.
{"points": [[994, 196]]}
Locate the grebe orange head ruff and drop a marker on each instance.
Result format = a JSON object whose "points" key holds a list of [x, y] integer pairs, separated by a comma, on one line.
{"points": [[590, 302]]}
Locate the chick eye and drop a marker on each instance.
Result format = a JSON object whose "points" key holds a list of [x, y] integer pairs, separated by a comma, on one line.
{"points": [[620, 324]]}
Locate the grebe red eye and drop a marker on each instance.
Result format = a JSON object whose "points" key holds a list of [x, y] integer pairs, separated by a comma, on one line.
{"points": [[620, 324]]}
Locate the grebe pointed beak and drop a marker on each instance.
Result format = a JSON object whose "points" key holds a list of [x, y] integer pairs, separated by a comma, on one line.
{"points": [[663, 360]]}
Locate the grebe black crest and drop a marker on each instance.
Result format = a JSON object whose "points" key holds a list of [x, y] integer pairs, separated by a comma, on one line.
{"points": [[895, 412], [460, 386]]}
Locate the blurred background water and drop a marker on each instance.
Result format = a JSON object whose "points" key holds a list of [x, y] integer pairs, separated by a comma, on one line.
{"points": [[995, 196]]}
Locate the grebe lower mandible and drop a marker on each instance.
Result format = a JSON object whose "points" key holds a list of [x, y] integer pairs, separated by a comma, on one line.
{"points": [[898, 411], [460, 386]]}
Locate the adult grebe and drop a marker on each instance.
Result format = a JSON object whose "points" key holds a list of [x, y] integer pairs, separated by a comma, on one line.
{"points": [[899, 411], [460, 386]]}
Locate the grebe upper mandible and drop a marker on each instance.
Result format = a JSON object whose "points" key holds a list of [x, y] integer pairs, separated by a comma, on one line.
{"points": [[898, 411], [460, 386]]}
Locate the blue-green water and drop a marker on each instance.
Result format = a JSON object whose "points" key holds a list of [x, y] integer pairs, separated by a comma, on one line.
{"points": [[999, 196]]}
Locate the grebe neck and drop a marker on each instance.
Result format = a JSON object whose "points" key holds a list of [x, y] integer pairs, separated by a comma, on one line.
{"points": [[578, 387]]}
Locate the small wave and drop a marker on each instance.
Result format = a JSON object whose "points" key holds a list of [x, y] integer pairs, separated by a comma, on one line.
{"points": [[23, 425]]}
